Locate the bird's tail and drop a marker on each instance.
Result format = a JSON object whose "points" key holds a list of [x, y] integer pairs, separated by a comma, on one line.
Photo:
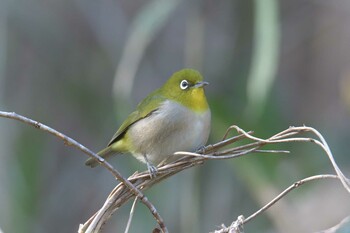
{"points": [[105, 153]]}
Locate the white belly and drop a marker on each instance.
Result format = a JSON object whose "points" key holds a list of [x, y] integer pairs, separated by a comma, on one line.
{"points": [[171, 128]]}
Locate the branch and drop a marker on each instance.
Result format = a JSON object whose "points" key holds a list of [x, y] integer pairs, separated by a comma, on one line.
{"points": [[71, 142], [339, 227], [237, 226], [131, 215], [120, 195], [131, 187], [281, 138]]}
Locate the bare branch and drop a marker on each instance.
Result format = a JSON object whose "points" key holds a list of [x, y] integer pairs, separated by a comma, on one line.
{"points": [[281, 138], [237, 226], [337, 227], [142, 181], [71, 142], [286, 191], [131, 215], [131, 187]]}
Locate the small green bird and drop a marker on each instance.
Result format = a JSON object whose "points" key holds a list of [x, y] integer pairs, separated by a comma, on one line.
{"points": [[172, 118]]}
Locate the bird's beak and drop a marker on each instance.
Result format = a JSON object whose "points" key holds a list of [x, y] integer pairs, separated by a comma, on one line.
{"points": [[200, 84]]}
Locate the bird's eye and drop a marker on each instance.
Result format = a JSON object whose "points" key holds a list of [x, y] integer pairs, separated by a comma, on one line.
{"points": [[184, 84]]}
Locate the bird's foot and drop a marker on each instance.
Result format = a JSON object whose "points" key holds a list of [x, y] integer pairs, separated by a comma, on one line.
{"points": [[201, 149], [152, 170]]}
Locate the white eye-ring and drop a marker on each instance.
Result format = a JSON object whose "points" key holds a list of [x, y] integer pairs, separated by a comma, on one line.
{"points": [[184, 84]]}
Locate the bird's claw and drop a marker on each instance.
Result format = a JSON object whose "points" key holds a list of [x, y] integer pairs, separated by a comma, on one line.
{"points": [[201, 149], [152, 170]]}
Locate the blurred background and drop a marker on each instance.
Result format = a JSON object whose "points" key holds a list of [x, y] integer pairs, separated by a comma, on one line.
{"points": [[81, 66]]}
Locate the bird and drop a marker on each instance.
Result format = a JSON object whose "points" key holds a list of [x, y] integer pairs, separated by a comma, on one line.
{"points": [[174, 117]]}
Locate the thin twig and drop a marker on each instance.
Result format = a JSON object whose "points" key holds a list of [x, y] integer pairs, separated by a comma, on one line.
{"points": [[189, 159], [237, 225], [339, 226], [71, 142], [322, 143], [286, 191], [131, 215], [132, 187]]}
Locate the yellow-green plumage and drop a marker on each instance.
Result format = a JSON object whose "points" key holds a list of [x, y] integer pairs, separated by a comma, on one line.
{"points": [[170, 119]]}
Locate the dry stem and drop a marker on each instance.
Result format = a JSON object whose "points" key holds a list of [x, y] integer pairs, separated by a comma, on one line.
{"points": [[237, 226], [71, 142], [216, 151], [131, 187]]}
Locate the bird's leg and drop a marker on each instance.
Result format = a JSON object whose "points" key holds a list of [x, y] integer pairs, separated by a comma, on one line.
{"points": [[151, 168], [201, 149]]}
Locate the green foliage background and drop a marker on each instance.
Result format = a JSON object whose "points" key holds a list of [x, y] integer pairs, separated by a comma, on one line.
{"points": [[82, 66]]}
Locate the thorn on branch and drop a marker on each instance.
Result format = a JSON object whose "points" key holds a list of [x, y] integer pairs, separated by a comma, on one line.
{"points": [[297, 184], [37, 125]]}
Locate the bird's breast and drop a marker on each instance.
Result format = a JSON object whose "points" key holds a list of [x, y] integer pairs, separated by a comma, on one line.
{"points": [[171, 128]]}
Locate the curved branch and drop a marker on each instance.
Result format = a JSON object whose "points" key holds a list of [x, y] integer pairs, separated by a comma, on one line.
{"points": [[71, 142], [142, 181], [131, 187], [237, 226]]}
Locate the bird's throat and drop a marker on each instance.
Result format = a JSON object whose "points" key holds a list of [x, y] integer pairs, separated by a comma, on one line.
{"points": [[196, 101]]}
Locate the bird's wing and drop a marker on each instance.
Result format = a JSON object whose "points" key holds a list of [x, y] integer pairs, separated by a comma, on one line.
{"points": [[145, 108]]}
